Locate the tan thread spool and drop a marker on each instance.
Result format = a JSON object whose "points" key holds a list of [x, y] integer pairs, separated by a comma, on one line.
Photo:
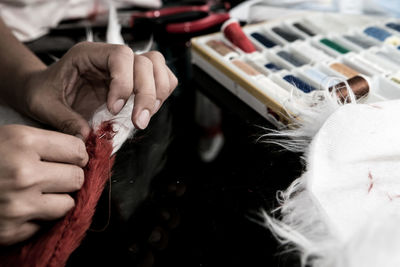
{"points": [[220, 47], [345, 70], [249, 70]]}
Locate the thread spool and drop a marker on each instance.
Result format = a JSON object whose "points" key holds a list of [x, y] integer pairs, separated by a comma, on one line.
{"points": [[377, 33], [344, 69], [389, 57], [272, 67], [288, 36], [234, 33], [307, 50], [292, 59], [382, 35], [358, 40], [303, 86], [222, 49], [393, 26], [304, 29], [263, 39], [396, 80], [315, 75], [358, 84], [246, 68], [335, 46]]}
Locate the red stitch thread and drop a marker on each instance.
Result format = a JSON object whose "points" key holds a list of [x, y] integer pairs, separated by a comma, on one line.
{"points": [[371, 181], [375, 106]]}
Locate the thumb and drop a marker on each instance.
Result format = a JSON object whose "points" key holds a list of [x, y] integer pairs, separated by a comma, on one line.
{"points": [[67, 120]]}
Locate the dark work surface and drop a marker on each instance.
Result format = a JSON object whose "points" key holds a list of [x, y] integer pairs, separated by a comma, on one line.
{"points": [[210, 205]]}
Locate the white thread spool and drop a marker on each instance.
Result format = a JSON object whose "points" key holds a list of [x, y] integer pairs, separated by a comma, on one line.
{"points": [[350, 6]]}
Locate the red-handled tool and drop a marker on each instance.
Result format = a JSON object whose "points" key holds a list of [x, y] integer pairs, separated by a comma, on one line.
{"points": [[184, 19]]}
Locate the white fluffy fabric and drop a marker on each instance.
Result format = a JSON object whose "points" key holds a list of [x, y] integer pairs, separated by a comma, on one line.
{"points": [[344, 211], [122, 123]]}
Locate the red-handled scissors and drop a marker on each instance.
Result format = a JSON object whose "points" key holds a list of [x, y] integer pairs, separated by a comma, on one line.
{"points": [[185, 19]]}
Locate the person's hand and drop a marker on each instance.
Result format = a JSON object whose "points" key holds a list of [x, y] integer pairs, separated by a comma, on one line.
{"points": [[37, 170], [66, 94]]}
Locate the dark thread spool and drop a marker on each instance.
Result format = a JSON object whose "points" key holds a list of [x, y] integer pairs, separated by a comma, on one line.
{"points": [[358, 84], [291, 58], [263, 39], [288, 36], [304, 29], [273, 67], [393, 26]]}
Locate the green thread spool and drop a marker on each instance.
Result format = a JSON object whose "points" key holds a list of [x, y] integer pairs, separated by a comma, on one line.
{"points": [[334, 46]]}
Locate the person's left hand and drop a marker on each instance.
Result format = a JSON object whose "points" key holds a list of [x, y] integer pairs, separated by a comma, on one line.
{"points": [[66, 94]]}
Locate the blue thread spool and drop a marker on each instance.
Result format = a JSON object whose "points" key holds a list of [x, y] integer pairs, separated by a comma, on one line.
{"points": [[272, 67], [377, 33], [262, 39], [393, 26], [303, 86], [292, 59]]}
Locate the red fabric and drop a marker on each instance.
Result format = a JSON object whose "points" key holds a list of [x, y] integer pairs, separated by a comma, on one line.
{"points": [[53, 248], [234, 33]]}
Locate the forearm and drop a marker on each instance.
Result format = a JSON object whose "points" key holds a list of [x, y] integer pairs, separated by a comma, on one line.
{"points": [[18, 63]]}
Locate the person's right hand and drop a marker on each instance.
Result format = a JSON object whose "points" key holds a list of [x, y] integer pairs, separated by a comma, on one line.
{"points": [[38, 169]]}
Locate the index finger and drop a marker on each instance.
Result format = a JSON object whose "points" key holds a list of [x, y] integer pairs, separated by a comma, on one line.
{"points": [[116, 61]]}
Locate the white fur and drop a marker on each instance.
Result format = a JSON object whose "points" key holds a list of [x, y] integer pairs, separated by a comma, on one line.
{"points": [[122, 123], [302, 225], [311, 113], [328, 215]]}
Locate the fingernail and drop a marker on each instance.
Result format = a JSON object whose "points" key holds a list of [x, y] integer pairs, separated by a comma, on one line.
{"points": [[157, 105], [143, 119], [118, 105]]}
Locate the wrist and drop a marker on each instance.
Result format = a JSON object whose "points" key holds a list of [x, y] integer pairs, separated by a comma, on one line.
{"points": [[25, 96]]}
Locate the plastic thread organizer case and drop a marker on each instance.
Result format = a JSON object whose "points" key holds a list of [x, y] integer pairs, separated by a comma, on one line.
{"points": [[300, 56]]}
